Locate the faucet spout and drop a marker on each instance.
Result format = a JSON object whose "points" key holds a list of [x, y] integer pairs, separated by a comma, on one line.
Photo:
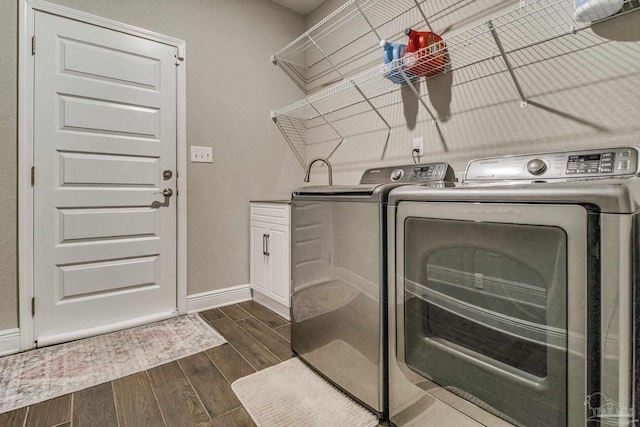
{"points": [[319, 159]]}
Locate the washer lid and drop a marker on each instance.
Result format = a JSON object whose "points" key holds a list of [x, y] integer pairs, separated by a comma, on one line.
{"points": [[336, 190]]}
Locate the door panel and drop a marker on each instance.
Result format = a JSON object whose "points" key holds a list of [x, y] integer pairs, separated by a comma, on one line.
{"points": [[114, 223], [278, 265], [85, 279], [109, 169], [90, 115], [105, 129], [95, 62], [258, 258]]}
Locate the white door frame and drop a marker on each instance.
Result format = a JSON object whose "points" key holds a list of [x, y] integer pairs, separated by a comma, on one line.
{"points": [[25, 152]]}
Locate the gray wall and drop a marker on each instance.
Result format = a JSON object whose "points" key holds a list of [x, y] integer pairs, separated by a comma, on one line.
{"points": [[231, 88], [8, 165]]}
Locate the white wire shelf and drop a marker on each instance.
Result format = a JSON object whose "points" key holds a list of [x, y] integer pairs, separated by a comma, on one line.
{"points": [[346, 41], [534, 32]]}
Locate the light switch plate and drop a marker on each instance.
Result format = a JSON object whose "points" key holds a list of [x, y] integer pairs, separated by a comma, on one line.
{"points": [[201, 154]]}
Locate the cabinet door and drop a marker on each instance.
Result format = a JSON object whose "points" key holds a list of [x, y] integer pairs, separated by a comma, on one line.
{"points": [[279, 264], [258, 259]]}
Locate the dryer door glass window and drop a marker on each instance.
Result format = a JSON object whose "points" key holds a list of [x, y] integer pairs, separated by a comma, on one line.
{"points": [[486, 314]]}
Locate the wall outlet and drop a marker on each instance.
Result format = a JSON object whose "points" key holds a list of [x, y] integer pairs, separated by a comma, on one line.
{"points": [[201, 154], [418, 144]]}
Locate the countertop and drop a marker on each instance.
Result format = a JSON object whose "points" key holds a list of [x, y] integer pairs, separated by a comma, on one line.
{"points": [[279, 202]]}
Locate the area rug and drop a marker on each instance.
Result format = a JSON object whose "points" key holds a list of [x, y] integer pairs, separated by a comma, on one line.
{"points": [[42, 374], [291, 394], [354, 372]]}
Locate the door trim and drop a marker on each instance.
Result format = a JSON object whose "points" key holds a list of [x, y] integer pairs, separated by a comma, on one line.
{"points": [[26, 150]]}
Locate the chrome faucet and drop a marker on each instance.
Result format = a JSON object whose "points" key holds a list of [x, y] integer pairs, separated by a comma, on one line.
{"points": [[319, 159]]}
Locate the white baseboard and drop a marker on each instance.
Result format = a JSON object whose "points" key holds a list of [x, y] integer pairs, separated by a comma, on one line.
{"points": [[218, 298], [272, 305], [9, 341]]}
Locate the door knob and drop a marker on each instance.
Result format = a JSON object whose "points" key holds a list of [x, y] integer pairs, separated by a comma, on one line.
{"points": [[167, 192]]}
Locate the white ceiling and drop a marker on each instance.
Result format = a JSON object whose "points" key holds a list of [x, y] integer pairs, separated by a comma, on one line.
{"points": [[303, 7]]}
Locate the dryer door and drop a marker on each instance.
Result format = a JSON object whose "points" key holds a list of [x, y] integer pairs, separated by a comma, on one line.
{"points": [[483, 296]]}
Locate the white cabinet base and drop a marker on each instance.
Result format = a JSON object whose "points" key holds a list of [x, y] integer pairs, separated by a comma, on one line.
{"points": [[270, 256], [271, 304]]}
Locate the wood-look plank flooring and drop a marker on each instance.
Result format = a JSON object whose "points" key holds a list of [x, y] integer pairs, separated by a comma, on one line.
{"points": [[193, 391]]}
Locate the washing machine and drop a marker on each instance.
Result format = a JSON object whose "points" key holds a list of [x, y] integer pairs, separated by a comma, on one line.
{"points": [[513, 296], [339, 278]]}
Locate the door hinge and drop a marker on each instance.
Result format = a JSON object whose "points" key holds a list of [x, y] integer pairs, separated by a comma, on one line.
{"points": [[179, 55], [33, 45], [33, 176], [33, 307]]}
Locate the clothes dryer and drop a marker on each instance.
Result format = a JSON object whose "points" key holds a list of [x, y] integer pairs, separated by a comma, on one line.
{"points": [[514, 295]]}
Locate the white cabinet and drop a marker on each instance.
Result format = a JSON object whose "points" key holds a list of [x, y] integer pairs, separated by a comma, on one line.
{"points": [[270, 261]]}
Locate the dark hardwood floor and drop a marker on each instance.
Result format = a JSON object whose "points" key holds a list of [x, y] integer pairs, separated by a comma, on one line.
{"points": [[194, 391]]}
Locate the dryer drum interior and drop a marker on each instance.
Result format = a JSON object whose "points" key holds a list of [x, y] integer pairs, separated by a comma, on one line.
{"points": [[492, 294]]}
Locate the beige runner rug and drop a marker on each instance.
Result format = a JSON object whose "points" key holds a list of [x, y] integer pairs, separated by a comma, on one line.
{"points": [[45, 373], [291, 394]]}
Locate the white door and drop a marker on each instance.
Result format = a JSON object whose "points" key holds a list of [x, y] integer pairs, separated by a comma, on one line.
{"points": [[278, 260], [104, 132], [258, 248]]}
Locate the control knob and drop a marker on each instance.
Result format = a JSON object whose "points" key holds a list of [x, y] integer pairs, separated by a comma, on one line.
{"points": [[536, 167], [397, 174]]}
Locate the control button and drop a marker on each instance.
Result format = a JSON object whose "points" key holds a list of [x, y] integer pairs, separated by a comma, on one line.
{"points": [[397, 174], [624, 164], [606, 170], [625, 153], [536, 166]]}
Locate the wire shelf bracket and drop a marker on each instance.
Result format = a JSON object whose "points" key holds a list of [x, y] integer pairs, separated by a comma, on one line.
{"points": [[505, 58], [409, 83], [332, 128], [375, 110], [424, 15], [289, 141], [366, 18]]}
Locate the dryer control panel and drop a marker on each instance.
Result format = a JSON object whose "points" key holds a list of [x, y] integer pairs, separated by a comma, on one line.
{"points": [[409, 174], [616, 162]]}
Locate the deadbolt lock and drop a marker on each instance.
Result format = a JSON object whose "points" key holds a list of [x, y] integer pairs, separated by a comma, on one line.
{"points": [[167, 192], [167, 174]]}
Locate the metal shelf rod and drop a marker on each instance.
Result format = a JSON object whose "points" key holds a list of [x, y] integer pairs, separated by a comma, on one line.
{"points": [[424, 16], [523, 98], [291, 144], [332, 128], [364, 15], [326, 57], [375, 110], [417, 94]]}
